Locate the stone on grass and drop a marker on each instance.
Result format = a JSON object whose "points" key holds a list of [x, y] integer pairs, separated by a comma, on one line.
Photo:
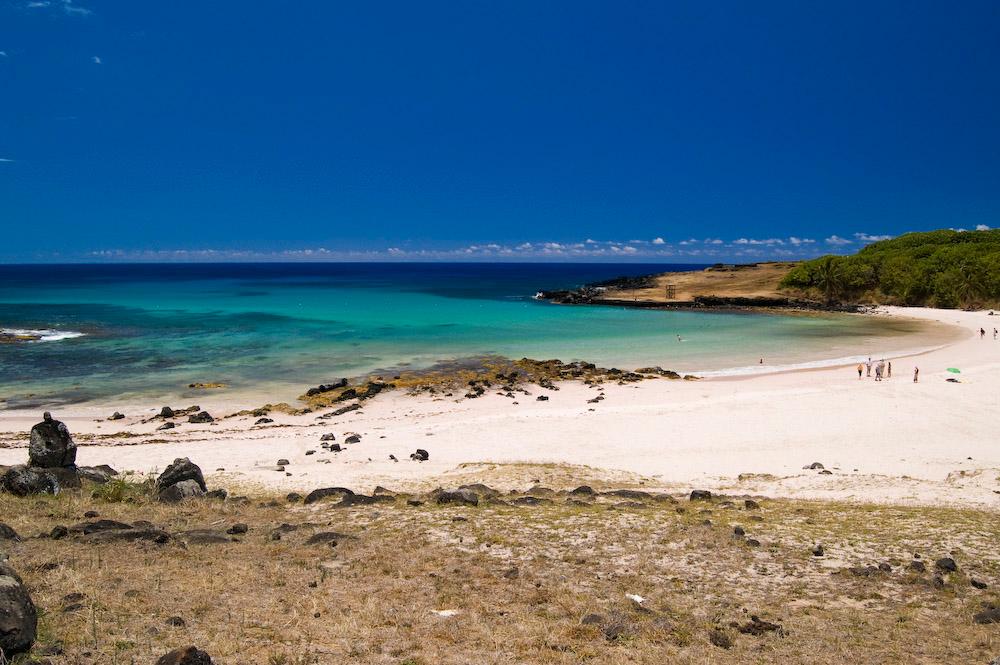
{"points": [[946, 565], [18, 616], [700, 495], [191, 655], [21, 480], [50, 444], [181, 469], [185, 489], [460, 496]]}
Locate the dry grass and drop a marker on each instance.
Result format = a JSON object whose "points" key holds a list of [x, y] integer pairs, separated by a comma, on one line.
{"points": [[758, 281], [372, 599]]}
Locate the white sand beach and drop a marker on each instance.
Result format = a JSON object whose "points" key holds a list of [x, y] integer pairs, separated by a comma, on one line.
{"points": [[892, 441]]}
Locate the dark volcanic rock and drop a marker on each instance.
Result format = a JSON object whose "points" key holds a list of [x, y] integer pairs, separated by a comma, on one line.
{"points": [[583, 490], [179, 470], [529, 501], [201, 417], [263, 421], [96, 474], [484, 491], [328, 437], [750, 504], [700, 495], [327, 538], [205, 537], [116, 416], [758, 627], [166, 412], [420, 456], [100, 525], [465, 497], [990, 614], [363, 500], [324, 492], [23, 480], [7, 533], [237, 529], [128, 536], [947, 565], [166, 426], [326, 387], [629, 494], [354, 438], [191, 655], [50, 444], [18, 617], [185, 489]]}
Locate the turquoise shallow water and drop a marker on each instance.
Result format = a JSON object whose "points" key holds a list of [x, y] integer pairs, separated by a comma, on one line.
{"points": [[152, 329]]}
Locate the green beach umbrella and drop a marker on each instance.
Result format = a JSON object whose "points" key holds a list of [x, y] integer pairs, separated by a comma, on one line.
{"points": [[954, 370]]}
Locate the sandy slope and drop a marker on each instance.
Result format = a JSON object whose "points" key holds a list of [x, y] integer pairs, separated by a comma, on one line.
{"points": [[892, 441]]}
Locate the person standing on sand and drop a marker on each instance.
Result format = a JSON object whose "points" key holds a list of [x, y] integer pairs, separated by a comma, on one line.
{"points": [[916, 374], [861, 369], [878, 372], [982, 333], [889, 375], [868, 365], [994, 334]]}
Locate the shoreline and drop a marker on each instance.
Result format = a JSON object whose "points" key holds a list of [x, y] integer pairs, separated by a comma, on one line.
{"points": [[907, 443]]}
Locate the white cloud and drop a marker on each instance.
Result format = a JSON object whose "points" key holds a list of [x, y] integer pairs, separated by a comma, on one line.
{"points": [[865, 237], [97, 59], [659, 241], [800, 241], [982, 227], [6, 161], [837, 240], [757, 241], [72, 9], [66, 6], [713, 241], [3, 54]]}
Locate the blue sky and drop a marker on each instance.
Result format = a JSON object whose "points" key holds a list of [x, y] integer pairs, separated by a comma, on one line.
{"points": [[682, 131]]}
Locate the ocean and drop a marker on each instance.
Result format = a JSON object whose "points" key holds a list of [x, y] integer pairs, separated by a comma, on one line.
{"points": [[115, 331]]}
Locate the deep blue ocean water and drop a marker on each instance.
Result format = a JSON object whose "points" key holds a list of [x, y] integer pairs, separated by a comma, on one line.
{"points": [[154, 328]]}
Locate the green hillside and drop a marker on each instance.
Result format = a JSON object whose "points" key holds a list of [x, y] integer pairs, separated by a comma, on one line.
{"points": [[937, 269]]}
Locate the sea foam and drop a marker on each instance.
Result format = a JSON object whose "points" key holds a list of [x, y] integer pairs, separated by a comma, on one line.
{"points": [[42, 334]]}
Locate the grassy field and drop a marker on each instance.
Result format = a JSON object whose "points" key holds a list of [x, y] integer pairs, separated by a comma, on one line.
{"points": [[502, 583]]}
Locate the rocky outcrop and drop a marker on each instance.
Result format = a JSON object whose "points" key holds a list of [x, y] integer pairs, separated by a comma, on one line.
{"points": [[50, 444], [18, 617]]}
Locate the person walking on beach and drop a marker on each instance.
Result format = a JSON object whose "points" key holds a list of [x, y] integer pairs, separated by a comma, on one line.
{"points": [[861, 369], [878, 372], [916, 374], [982, 333], [868, 365], [994, 334], [889, 375]]}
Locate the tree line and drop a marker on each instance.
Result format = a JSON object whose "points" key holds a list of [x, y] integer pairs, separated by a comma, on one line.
{"points": [[948, 269]]}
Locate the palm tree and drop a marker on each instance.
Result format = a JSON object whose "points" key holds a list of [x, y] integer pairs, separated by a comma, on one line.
{"points": [[829, 277]]}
